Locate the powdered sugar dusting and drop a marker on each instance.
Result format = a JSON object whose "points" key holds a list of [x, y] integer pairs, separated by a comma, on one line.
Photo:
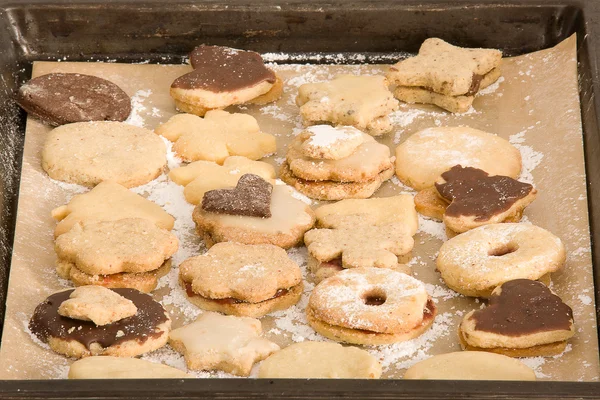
{"points": [[137, 108], [530, 158], [324, 136]]}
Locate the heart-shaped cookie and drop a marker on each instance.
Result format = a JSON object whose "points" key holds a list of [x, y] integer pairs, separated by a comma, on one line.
{"points": [[251, 197]]}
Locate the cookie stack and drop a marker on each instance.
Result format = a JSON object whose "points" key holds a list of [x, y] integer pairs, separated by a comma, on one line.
{"points": [[335, 163]]}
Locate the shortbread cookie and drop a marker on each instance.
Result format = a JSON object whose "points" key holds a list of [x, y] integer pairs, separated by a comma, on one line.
{"points": [[314, 360], [429, 204], [242, 280], [290, 218], [201, 176], [523, 319], [216, 136], [226, 343], [475, 262], [425, 155], [62, 98], [98, 304], [107, 367], [330, 143], [471, 365], [145, 331], [108, 201], [87, 153], [251, 197], [360, 101], [323, 270]]}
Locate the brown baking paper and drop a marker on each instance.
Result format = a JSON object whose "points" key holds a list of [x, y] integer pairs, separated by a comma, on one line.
{"points": [[535, 105]]}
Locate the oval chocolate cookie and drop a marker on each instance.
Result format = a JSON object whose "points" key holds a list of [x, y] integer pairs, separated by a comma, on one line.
{"points": [[62, 98]]}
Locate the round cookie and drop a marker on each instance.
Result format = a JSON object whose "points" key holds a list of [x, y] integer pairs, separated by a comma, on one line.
{"points": [[425, 155], [145, 331], [475, 262], [314, 360], [471, 365], [107, 367], [64, 98], [87, 153]]}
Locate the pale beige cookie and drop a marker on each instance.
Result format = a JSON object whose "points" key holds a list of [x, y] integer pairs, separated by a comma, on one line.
{"points": [[325, 269], [370, 306], [470, 365], [201, 176], [290, 218], [314, 360], [87, 153], [429, 204], [107, 367], [216, 136], [241, 277], [444, 68], [108, 201], [226, 343], [330, 143], [360, 101], [97, 304], [425, 155], [475, 262], [190, 108]]}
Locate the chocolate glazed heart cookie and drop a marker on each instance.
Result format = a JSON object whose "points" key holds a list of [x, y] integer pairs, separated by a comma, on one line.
{"points": [[251, 197], [524, 318]]}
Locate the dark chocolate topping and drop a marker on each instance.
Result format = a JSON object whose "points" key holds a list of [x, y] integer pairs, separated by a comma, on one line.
{"points": [[523, 307], [230, 300], [223, 69], [251, 197], [475, 83], [47, 322], [472, 192], [61, 98]]}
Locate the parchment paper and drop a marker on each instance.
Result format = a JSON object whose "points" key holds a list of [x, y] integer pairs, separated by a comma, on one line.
{"points": [[535, 105]]}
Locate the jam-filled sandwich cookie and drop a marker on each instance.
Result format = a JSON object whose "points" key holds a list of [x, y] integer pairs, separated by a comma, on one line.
{"points": [[132, 253], [467, 197], [361, 233], [364, 102], [253, 212], [242, 280], [445, 75], [225, 343], [335, 163], [216, 136], [93, 320], [63, 98], [427, 154], [474, 263], [523, 319], [370, 306], [222, 77]]}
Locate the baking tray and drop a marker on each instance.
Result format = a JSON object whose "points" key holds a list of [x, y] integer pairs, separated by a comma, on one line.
{"points": [[164, 32]]}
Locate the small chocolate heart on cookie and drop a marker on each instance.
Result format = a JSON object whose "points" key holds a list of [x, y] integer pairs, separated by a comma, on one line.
{"points": [[251, 197]]}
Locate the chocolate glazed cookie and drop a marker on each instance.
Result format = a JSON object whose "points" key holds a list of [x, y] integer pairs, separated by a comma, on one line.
{"points": [[62, 98]]}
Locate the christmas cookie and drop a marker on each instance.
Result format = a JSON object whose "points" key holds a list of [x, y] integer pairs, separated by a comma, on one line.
{"points": [[107, 367]]}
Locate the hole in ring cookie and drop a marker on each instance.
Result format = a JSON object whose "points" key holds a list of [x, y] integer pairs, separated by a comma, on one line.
{"points": [[374, 298], [503, 250]]}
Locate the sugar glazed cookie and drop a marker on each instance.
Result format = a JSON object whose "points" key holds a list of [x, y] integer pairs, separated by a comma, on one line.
{"points": [[225, 343], [471, 365], [523, 319], [468, 197], [314, 360], [360, 101], [107, 367], [242, 280], [361, 233], [216, 136], [201, 176], [370, 306], [254, 212], [130, 252], [475, 262], [109, 201], [222, 77], [327, 163], [93, 320], [87, 153], [427, 154], [445, 75], [62, 98]]}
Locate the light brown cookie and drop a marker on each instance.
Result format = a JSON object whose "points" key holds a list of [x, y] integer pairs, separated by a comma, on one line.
{"points": [[242, 280], [523, 319], [325, 269], [87, 153], [429, 204], [360, 101], [327, 142], [226, 343], [216, 136], [97, 304], [107, 367]]}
